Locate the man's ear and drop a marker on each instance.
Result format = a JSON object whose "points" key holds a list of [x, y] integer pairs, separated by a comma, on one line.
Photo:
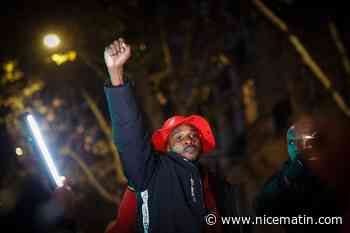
{"points": [[168, 147]]}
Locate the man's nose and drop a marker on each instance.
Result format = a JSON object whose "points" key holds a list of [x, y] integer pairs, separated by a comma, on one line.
{"points": [[188, 140]]}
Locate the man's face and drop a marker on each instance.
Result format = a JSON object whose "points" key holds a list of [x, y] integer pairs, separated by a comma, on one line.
{"points": [[185, 141], [302, 140]]}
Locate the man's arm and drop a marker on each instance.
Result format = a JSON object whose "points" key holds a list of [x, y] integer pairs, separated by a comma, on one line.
{"points": [[129, 132]]}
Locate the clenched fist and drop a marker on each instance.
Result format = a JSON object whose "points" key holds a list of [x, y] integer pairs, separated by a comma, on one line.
{"points": [[116, 55]]}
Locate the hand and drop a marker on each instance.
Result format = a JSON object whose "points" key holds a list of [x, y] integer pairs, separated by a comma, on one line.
{"points": [[116, 55], [65, 197]]}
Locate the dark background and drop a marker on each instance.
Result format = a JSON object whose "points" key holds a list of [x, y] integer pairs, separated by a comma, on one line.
{"points": [[222, 59]]}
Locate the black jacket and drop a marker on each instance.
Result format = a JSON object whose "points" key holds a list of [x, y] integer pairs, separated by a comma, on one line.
{"points": [[295, 191], [168, 187]]}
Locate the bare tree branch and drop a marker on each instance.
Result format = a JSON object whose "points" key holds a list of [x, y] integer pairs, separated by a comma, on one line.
{"points": [[271, 15], [340, 46], [94, 182], [157, 77], [92, 65], [305, 55]]}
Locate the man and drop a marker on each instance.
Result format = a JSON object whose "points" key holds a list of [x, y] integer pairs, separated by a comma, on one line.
{"points": [[167, 178], [305, 186]]}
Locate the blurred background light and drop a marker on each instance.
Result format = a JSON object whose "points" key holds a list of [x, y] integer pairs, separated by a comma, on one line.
{"points": [[51, 40]]}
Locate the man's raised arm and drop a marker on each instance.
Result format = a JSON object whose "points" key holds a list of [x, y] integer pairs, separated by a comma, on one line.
{"points": [[129, 132]]}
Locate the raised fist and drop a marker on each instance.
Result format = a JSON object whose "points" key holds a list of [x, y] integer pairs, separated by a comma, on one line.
{"points": [[117, 53], [116, 56]]}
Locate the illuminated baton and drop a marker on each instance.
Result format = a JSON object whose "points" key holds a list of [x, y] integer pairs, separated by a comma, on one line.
{"points": [[44, 151]]}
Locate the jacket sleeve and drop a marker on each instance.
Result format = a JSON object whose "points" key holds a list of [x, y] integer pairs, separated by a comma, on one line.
{"points": [[127, 214], [288, 187], [130, 135]]}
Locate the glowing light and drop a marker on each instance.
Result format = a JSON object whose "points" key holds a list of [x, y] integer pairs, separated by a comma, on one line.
{"points": [[9, 67], [44, 151], [51, 40], [312, 136], [19, 151], [60, 58]]}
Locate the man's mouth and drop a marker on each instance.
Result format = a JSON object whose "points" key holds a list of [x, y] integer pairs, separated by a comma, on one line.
{"points": [[190, 149]]}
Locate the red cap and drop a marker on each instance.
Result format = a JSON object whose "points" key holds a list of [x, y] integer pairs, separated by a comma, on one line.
{"points": [[160, 136]]}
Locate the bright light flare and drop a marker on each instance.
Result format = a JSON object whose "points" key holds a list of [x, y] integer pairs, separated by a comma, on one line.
{"points": [[312, 136], [19, 151], [51, 40], [44, 151]]}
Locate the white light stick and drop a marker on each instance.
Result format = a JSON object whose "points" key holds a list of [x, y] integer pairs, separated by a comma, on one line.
{"points": [[44, 151]]}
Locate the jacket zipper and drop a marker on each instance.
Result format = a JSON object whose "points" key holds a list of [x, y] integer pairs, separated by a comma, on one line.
{"points": [[201, 192]]}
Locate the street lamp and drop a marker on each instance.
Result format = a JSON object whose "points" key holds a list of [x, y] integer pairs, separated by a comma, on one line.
{"points": [[51, 40]]}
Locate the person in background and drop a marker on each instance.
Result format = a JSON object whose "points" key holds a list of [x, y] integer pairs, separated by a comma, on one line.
{"points": [[307, 183], [39, 210]]}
